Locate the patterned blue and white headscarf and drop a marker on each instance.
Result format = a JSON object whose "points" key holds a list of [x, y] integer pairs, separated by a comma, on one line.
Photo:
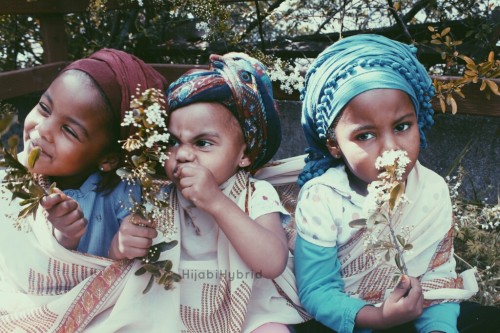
{"points": [[348, 68], [240, 83]]}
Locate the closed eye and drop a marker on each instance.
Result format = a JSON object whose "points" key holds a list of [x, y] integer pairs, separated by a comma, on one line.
{"points": [[70, 131], [43, 108]]}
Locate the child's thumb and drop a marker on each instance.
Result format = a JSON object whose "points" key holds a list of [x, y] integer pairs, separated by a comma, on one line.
{"points": [[402, 288]]}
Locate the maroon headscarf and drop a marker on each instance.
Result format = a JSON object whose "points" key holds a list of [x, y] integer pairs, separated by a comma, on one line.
{"points": [[118, 74]]}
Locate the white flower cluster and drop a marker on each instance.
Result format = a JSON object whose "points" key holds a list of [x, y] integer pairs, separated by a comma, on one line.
{"points": [[204, 27], [289, 76], [394, 163], [393, 158]]}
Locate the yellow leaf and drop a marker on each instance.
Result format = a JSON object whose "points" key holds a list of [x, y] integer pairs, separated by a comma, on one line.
{"points": [[33, 156], [491, 56], [13, 141], [454, 106], [467, 59], [397, 5], [435, 41], [431, 28], [483, 85], [443, 105], [445, 31], [395, 194], [493, 86]]}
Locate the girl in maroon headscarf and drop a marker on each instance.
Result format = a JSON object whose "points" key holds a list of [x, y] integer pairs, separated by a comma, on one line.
{"points": [[76, 124]]}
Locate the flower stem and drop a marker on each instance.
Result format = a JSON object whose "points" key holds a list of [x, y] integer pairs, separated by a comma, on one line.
{"points": [[398, 249]]}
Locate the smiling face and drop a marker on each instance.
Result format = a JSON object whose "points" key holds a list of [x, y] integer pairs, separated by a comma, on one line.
{"points": [[69, 124], [371, 123], [209, 135]]}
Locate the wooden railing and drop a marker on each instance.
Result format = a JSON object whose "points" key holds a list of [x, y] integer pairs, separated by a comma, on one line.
{"points": [[50, 14]]}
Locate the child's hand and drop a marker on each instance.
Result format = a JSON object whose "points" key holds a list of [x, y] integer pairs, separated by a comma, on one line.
{"points": [[133, 239], [66, 217], [405, 302], [197, 184], [403, 305]]}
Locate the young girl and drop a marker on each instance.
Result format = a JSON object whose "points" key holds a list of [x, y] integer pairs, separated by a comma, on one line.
{"points": [[76, 124], [366, 95], [223, 124], [45, 287]]}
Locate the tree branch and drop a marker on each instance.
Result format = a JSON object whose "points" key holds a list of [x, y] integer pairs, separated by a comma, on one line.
{"points": [[399, 21]]}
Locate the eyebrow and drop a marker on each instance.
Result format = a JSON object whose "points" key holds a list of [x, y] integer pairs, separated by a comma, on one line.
{"points": [[368, 127], [198, 136]]}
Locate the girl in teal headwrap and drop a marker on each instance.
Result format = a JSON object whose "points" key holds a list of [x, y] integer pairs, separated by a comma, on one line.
{"points": [[366, 95]]}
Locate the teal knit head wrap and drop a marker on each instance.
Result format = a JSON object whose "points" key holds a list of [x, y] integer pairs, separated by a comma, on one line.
{"points": [[348, 68]]}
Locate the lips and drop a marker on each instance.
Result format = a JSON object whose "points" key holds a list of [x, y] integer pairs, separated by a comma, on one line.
{"points": [[43, 150]]}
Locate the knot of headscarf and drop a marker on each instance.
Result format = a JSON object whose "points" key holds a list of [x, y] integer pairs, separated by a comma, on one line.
{"points": [[240, 83], [119, 74], [348, 68]]}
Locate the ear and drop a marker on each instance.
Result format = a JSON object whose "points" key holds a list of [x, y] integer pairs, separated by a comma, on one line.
{"points": [[244, 161], [333, 148], [109, 162]]}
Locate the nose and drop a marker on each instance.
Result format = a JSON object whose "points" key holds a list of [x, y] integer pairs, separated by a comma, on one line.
{"points": [[390, 142], [185, 153], [45, 130]]}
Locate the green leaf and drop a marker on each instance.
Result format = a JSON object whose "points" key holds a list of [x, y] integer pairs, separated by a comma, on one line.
{"points": [[168, 265], [387, 255], [12, 162], [13, 142], [149, 285], [397, 259], [31, 209], [176, 277], [21, 195], [357, 223], [150, 268], [164, 246], [35, 189], [401, 240], [140, 271]]}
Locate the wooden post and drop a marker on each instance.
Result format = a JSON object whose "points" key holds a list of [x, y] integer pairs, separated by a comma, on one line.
{"points": [[54, 38]]}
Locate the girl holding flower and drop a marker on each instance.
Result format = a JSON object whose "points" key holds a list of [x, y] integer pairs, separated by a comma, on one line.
{"points": [[367, 96], [76, 124], [232, 255]]}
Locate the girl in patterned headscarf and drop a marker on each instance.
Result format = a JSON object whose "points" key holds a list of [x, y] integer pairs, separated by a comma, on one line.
{"points": [[224, 123], [366, 95]]}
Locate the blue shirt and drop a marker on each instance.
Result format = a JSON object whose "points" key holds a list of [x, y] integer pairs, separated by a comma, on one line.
{"points": [[103, 211]]}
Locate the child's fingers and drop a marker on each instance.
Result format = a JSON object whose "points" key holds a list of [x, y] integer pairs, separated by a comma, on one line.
{"points": [[145, 232], [401, 289], [415, 297], [63, 209], [76, 229], [51, 200]]}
